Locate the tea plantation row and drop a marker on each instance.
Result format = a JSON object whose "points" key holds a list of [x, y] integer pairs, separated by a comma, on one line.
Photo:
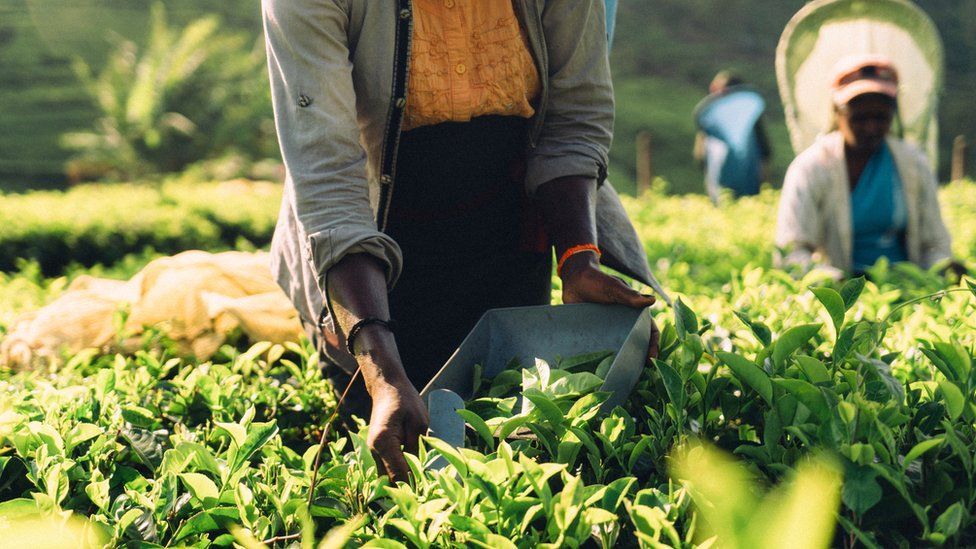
{"points": [[849, 403]]}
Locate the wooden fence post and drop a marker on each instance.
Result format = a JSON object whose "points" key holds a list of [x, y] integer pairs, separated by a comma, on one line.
{"points": [[644, 166], [959, 152]]}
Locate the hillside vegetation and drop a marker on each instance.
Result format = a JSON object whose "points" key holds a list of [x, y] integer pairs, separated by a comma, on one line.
{"points": [[664, 55]]}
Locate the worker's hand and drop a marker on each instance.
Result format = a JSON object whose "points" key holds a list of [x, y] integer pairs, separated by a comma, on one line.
{"points": [[398, 420], [956, 269], [584, 282]]}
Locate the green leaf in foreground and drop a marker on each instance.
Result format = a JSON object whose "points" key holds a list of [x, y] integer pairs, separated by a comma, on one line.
{"points": [[949, 521], [953, 398], [685, 321], [750, 374], [479, 426], [208, 521], [799, 513], [808, 395], [202, 488], [793, 339], [922, 448], [760, 330], [852, 291], [258, 434], [672, 384], [861, 489], [815, 370], [144, 444], [834, 303]]}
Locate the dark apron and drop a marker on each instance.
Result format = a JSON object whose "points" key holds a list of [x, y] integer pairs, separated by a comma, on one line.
{"points": [[470, 241]]}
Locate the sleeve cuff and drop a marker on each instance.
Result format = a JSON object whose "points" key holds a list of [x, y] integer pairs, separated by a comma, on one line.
{"points": [[326, 248], [542, 168]]}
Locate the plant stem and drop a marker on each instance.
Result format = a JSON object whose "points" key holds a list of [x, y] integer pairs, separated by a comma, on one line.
{"points": [[940, 294], [322, 439], [279, 539]]}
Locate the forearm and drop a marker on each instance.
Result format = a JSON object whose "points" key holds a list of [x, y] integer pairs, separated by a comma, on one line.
{"points": [[357, 290], [568, 207]]}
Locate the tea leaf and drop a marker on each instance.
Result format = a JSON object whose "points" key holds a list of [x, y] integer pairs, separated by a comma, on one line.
{"points": [[449, 453], [808, 395], [672, 384], [479, 426], [922, 448], [144, 444], [851, 291], [202, 488], [747, 372], [793, 339], [835, 305], [815, 370], [258, 434], [685, 321], [547, 409], [760, 330], [237, 432], [949, 521], [861, 489], [954, 400], [219, 518]]}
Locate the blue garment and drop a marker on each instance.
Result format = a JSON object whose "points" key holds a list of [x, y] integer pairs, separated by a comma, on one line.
{"points": [[733, 157], [611, 18], [878, 212]]}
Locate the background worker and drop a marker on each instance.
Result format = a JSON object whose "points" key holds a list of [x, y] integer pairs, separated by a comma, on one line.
{"points": [[431, 162], [859, 194], [731, 144]]}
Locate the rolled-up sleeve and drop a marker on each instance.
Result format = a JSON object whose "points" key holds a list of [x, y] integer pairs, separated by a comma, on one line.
{"points": [[315, 115], [578, 124]]}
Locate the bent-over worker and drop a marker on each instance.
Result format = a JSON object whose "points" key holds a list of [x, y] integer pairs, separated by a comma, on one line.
{"points": [[434, 150], [858, 194]]}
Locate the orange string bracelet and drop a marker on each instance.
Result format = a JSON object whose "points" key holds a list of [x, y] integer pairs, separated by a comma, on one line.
{"points": [[573, 251]]}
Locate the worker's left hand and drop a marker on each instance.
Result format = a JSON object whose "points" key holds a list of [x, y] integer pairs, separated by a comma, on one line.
{"points": [[955, 268]]}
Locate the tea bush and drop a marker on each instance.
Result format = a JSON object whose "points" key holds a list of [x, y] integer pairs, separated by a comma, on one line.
{"points": [[103, 223], [849, 409]]}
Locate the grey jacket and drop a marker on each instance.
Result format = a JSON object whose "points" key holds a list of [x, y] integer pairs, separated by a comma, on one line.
{"points": [[339, 79], [814, 222]]}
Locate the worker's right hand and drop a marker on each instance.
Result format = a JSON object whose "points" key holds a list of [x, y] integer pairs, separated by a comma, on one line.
{"points": [[398, 420]]}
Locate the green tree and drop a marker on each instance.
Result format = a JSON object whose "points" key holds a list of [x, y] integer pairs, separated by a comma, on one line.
{"points": [[189, 94]]}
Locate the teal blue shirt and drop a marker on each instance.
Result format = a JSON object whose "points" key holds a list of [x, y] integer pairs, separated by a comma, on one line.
{"points": [[878, 212]]}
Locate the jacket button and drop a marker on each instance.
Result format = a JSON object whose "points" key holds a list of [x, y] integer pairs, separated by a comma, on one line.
{"points": [[404, 14], [385, 179], [401, 102], [304, 100]]}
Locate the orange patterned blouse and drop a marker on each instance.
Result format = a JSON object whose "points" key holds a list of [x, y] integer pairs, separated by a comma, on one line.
{"points": [[470, 58]]}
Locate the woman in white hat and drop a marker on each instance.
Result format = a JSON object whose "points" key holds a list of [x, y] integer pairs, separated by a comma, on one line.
{"points": [[858, 194]]}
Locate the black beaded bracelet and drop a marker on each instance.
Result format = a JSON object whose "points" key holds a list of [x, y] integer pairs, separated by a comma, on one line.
{"points": [[357, 327]]}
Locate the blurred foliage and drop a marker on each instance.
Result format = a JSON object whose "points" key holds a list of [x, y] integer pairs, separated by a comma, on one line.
{"points": [[188, 95], [92, 224]]}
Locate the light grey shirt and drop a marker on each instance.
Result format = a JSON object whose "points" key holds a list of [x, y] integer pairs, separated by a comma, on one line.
{"points": [[814, 222], [331, 64]]}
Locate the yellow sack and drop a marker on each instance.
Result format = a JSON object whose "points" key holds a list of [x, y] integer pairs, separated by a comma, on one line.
{"points": [[196, 298]]}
